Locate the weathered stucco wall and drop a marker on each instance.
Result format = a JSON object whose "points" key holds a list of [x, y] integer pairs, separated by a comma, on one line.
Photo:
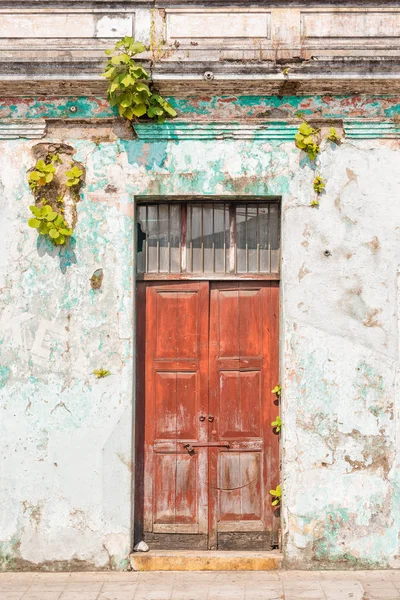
{"points": [[66, 437]]}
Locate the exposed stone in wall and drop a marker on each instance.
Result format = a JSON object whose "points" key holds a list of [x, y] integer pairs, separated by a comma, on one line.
{"points": [[57, 194]]}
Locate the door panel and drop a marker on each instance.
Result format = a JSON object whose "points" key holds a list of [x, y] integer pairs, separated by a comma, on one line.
{"points": [[211, 359], [175, 488], [242, 371]]}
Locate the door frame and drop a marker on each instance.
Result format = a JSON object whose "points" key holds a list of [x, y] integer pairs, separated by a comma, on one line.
{"points": [[140, 285]]}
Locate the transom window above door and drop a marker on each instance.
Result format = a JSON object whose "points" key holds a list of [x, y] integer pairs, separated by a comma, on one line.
{"points": [[208, 240]]}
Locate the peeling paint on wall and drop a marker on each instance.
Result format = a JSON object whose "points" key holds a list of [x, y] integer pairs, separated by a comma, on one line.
{"points": [[66, 436]]}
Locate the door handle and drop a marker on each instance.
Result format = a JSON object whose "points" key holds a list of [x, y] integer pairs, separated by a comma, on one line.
{"points": [[190, 446]]}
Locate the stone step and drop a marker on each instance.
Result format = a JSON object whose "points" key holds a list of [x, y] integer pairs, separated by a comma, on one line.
{"points": [[202, 560]]}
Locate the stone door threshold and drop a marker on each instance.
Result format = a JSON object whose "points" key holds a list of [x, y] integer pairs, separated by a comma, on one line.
{"points": [[202, 560]]}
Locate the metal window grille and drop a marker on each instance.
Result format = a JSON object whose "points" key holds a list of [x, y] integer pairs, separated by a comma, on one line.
{"points": [[208, 239]]}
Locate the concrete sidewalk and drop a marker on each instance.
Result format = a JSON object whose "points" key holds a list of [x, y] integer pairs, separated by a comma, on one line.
{"points": [[205, 585]]}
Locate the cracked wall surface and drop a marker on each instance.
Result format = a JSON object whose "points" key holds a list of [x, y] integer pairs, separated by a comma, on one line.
{"points": [[66, 473]]}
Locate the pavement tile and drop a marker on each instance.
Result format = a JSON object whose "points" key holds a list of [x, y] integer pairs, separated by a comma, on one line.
{"points": [[301, 597], [93, 576], [11, 595], [13, 586], [116, 595], [378, 585], [84, 586], [357, 595], [152, 594], [265, 595], [75, 595], [382, 594], [119, 586], [52, 577], [41, 595]]}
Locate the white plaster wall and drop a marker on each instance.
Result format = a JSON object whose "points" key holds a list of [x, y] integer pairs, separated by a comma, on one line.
{"points": [[340, 362], [66, 437]]}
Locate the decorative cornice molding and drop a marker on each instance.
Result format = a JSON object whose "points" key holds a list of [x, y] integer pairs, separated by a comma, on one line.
{"points": [[14, 129], [190, 130], [357, 129], [281, 131]]}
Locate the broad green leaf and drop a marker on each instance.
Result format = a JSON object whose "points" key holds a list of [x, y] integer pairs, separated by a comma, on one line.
{"points": [[76, 171], [49, 177], [137, 48], [35, 210], [64, 231], [43, 229], [53, 233], [117, 59], [169, 110], [126, 81], [275, 502], [109, 51], [305, 129], [129, 114], [139, 110], [35, 176], [51, 216], [40, 165], [35, 223], [154, 111], [142, 87], [140, 73], [126, 100]]}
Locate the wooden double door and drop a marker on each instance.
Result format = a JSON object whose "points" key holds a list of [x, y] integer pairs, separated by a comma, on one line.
{"points": [[207, 455]]}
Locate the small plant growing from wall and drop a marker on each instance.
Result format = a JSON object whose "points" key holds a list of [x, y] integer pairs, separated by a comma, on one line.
{"points": [[73, 176], [333, 136], [42, 174], [56, 192], [318, 185], [101, 373], [277, 424], [307, 139], [49, 223], [277, 390], [277, 496], [127, 88]]}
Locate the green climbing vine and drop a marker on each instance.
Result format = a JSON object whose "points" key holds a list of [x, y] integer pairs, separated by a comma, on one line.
{"points": [[127, 88]]}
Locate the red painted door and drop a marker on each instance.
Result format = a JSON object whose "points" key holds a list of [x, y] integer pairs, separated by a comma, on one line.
{"points": [[243, 369], [210, 456], [176, 408]]}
